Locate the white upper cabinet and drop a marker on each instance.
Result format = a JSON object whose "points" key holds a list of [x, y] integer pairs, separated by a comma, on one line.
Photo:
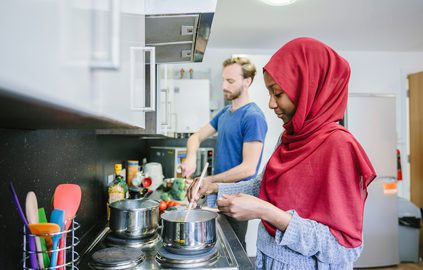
{"points": [[123, 68], [88, 56], [45, 51]]}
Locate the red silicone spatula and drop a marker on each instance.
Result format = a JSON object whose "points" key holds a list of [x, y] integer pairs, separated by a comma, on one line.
{"points": [[68, 198]]}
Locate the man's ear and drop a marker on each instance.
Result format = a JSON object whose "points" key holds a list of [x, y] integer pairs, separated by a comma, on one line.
{"points": [[248, 81]]}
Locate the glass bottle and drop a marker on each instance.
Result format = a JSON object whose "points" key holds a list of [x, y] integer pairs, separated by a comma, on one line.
{"points": [[118, 190]]}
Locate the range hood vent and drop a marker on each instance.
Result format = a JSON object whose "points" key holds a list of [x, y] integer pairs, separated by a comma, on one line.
{"points": [[178, 37]]}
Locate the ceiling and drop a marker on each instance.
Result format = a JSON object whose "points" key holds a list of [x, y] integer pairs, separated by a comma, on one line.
{"points": [[363, 25]]}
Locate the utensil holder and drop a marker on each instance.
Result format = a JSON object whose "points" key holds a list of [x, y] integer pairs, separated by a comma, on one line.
{"points": [[70, 255]]}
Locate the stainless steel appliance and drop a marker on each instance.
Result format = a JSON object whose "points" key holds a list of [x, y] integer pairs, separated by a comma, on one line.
{"points": [[150, 254], [192, 234], [134, 219], [172, 157]]}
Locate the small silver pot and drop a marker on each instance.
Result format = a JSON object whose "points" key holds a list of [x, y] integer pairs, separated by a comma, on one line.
{"points": [[134, 219], [196, 235]]}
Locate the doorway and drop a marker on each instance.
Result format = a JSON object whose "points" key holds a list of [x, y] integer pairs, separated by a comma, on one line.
{"points": [[415, 95]]}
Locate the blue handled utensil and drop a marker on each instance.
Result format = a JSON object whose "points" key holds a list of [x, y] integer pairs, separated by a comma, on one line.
{"points": [[58, 217], [32, 249]]}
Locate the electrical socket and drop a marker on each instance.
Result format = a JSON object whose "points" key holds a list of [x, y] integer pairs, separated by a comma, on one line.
{"points": [[110, 179]]}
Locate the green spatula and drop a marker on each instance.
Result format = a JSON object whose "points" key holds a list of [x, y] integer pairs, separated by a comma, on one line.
{"points": [[43, 219]]}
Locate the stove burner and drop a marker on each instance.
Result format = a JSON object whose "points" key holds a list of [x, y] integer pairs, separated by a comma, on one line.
{"points": [[116, 258], [168, 259], [112, 240]]}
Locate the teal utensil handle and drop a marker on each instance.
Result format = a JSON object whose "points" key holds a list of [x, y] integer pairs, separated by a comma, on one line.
{"points": [[58, 217]]}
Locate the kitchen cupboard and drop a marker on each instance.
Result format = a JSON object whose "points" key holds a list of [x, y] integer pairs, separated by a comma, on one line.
{"points": [[86, 57], [120, 86], [184, 105], [45, 51]]}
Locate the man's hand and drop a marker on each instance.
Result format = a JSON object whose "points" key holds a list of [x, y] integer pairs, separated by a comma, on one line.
{"points": [[188, 167]]}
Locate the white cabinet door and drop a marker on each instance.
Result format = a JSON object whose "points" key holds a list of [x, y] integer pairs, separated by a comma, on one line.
{"points": [[124, 89], [45, 50], [191, 104]]}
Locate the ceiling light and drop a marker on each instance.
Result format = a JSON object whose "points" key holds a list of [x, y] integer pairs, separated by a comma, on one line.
{"points": [[278, 2]]}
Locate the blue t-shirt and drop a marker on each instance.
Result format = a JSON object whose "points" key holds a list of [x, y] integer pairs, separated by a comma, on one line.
{"points": [[246, 124]]}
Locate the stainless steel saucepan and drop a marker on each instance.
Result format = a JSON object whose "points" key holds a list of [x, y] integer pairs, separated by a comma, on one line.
{"points": [[196, 235], [134, 219]]}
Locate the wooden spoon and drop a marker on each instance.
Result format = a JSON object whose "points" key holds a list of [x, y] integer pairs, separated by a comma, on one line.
{"points": [[194, 194], [68, 198], [31, 210]]}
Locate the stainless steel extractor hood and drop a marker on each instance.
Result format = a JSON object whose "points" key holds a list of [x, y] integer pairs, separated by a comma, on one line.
{"points": [[178, 38], [179, 29]]}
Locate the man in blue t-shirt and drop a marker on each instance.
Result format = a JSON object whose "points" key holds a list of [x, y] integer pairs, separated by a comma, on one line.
{"points": [[241, 129]]}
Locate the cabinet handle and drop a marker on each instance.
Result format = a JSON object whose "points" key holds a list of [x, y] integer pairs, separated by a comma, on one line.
{"points": [[114, 61], [166, 107], [141, 85]]}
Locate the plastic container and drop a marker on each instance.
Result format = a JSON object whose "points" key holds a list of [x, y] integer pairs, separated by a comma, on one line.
{"points": [[131, 171]]}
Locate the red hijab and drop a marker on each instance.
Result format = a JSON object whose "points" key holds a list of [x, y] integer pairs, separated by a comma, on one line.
{"points": [[319, 169]]}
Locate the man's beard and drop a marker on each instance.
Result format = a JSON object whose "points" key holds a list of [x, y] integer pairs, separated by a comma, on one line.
{"points": [[232, 95]]}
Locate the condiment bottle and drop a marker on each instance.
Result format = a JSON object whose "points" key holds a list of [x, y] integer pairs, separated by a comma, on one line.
{"points": [[118, 190], [131, 171]]}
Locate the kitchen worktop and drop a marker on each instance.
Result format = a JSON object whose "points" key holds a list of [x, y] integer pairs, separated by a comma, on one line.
{"points": [[231, 256]]}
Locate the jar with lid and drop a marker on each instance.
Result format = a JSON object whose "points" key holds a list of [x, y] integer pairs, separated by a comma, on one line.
{"points": [[131, 171]]}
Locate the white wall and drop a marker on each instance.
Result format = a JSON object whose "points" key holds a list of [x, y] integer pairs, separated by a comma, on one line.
{"points": [[386, 73], [372, 72]]}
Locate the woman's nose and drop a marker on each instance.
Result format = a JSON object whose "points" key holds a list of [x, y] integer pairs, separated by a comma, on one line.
{"points": [[272, 102]]}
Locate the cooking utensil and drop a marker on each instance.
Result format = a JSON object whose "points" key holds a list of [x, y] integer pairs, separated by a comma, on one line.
{"points": [[134, 219], [68, 198], [194, 236], [45, 230], [32, 257], [58, 217], [42, 218], [31, 210], [194, 194]]}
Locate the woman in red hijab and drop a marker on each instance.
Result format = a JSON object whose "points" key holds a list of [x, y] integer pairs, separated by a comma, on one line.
{"points": [[311, 195]]}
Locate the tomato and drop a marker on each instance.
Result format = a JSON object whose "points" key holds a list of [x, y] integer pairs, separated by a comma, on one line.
{"points": [[162, 206], [169, 203], [176, 203], [147, 182]]}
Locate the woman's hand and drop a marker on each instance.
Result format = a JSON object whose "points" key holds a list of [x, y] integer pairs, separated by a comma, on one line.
{"points": [[242, 206], [246, 207], [207, 187]]}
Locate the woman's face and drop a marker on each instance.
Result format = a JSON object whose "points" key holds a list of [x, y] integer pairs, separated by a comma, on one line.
{"points": [[279, 101]]}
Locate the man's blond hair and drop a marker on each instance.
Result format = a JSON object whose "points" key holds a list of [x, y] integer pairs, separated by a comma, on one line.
{"points": [[248, 68]]}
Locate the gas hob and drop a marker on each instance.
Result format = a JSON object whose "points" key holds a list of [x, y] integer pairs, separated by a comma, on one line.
{"points": [[149, 254]]}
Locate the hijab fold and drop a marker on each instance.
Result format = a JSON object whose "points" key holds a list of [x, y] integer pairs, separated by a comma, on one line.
{"points": [[319, 169]]}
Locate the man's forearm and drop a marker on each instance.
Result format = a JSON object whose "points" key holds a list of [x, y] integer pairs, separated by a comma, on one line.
{"points": [[235, 174], [192, 145]]}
